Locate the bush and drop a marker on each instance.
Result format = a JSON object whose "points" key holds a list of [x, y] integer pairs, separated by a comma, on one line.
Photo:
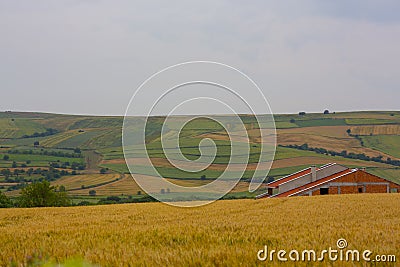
{"points": [[42, 194], [4, 201]]}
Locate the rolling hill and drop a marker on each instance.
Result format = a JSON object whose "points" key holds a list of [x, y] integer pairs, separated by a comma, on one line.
{"points": [[25, 143]]}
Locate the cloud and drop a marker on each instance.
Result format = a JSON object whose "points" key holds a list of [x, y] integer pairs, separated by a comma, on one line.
{"points": [[89, 56]]}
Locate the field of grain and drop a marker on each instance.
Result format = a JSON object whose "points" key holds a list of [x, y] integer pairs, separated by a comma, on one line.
{"points": [[124, 186], [87, 180], [225, 233], [376, 129]]}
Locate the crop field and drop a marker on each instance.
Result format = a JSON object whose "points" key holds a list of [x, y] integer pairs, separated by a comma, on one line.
{"points": [[86, 180], [225, 233], [387, 144], [14, 128], [36, 160], [124, 186], [78, 140], [376, 129], [369, 121]]}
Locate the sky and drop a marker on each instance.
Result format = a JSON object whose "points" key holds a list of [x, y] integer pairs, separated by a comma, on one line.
{"points": [[89, 57]]}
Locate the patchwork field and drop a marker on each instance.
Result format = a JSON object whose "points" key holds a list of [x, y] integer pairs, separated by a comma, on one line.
{"points": [[375, 134], [225, 233]]}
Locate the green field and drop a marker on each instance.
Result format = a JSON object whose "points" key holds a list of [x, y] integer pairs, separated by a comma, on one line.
{"points": [[15, 128], [388, 144]]}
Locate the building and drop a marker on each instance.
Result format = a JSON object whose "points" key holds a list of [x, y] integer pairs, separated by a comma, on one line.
{"points": [[329, 179]]}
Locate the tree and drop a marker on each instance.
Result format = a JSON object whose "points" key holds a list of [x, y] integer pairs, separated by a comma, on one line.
{"points": [[6, 173], [36, 143], [302, 113], [14, 165], [42, 194], [28, 161], [203, 177], [139, 193], [62, 188], [4, 201], [103, 170], [6, 157], [348, 131], [292, 120], [92, 193], [326, 111]]}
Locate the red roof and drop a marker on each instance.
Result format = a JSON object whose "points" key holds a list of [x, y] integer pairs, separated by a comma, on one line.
{"points": [[315, 183], [278, 182]]}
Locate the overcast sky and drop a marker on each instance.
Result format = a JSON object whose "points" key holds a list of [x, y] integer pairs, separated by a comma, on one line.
{"points": [[88, 57]]}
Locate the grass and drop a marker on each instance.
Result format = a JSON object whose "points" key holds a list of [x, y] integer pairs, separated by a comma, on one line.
{"points": [[389, 174], [320, 122], [54, 140], [15, 128], [36, 160], [388, 144], [285, 125], [225, 233], [366, 121], [79, 140], [97, 122]]}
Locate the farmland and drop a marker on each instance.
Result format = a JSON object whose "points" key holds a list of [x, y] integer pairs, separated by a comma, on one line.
{"points": [[375, 134], [225, 233]]}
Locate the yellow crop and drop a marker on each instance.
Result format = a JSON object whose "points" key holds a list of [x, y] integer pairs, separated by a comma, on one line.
{"points": [[225, 233]]}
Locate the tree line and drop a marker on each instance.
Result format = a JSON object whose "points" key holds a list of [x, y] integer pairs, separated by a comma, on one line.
{"points": [[76, 154], [43, 194], [49, 131], [345, 154]]}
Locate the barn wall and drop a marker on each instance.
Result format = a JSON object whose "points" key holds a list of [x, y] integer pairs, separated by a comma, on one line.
{"points": [[362, 181]]}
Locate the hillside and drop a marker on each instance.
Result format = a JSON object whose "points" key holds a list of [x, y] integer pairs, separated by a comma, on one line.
{"points": [[225, 233], [89, 143]]}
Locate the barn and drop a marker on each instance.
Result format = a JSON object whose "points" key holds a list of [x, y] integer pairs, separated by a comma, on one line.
{"points": [[329, 179]]}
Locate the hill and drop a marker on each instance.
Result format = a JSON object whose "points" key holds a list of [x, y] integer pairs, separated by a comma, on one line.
{"points": [[225, 233], [38, 140]]}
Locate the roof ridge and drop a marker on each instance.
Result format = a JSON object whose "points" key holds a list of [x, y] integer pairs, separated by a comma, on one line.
{"points": [[315, 183]]}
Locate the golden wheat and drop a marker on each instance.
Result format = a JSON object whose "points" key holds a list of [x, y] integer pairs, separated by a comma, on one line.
{"points": [[225, 233]]}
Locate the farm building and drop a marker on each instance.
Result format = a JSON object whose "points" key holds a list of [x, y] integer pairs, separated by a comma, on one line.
{"points": [[331, 178]]}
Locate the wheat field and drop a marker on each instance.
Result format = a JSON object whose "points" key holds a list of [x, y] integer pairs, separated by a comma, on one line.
{"points": [[225, 233]]}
